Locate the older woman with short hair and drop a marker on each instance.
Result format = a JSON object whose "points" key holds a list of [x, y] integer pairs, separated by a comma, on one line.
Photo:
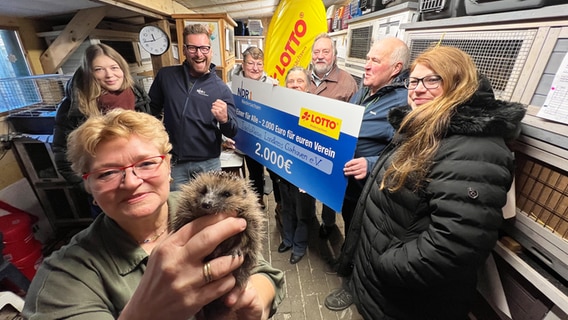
{"points": [[298, 207], [126, 265]]}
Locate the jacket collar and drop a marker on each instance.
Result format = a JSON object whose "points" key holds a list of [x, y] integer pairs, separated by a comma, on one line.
{"points": [[332, 75], [397, 82], [187, 68], [127, 255], [478, 117]]}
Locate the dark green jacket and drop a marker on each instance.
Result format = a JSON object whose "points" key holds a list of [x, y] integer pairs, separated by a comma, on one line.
{"points": [[95, 275]]}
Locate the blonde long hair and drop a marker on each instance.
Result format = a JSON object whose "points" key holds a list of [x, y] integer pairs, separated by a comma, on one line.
{"points": [[89, 90], [425, 126]]}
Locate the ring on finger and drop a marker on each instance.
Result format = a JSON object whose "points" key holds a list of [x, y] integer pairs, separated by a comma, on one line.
{"points": [[207, 272]]}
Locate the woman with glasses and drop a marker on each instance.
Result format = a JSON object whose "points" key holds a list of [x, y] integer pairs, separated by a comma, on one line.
{"points": [[101, 83], [126, 265], [431, 209], [253, 68], [298, 207]]}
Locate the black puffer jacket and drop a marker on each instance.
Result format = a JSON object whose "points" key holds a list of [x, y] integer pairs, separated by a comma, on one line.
{"points": [[69, 117], [414, 255]]}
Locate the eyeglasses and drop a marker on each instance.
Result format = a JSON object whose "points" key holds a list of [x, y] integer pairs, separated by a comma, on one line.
{"points": [[107, 178], [259, 64], [193, 49], [429, 82]]}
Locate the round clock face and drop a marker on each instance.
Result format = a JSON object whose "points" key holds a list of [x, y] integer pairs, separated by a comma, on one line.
{"points": [[154, 40]]}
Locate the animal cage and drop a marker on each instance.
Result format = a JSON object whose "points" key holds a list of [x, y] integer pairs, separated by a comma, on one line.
{"points": [[31, 102], [440, 9], [499, 55], [474, 7], [432, 5]]}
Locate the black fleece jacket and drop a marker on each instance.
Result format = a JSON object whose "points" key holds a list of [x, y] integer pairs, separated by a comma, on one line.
{"points": [[186, 102]]}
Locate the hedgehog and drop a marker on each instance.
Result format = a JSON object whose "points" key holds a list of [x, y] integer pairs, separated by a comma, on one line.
{"points": [[219, 191]]}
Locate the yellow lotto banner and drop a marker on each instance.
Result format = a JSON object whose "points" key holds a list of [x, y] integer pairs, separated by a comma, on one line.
{"points": [[290, 36]]}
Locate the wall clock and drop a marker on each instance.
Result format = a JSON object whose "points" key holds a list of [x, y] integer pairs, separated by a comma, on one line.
{"points": [[154, 40]]}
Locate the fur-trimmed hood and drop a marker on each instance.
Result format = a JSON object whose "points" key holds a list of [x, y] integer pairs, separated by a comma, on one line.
{"points": [[478, 117]]}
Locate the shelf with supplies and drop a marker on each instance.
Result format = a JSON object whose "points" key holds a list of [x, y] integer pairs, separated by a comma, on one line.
{"points": [[353, 43], [65, 205], [244, 42]]}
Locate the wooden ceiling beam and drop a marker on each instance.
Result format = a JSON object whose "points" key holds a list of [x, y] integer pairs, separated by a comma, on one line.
{"points": [[114, 35], [76, 31], [149, 8]]}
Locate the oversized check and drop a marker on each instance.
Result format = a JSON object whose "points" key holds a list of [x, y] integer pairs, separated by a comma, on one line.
{"points": [[304, 138]]}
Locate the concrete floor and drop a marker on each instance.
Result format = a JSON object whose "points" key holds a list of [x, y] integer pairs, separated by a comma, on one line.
{"points": [[307, 283], [310, 281]]}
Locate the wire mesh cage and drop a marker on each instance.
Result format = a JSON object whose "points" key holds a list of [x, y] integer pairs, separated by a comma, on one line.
{"points": [[31, 102], [361, 39], [32, 92], [499, 55]]}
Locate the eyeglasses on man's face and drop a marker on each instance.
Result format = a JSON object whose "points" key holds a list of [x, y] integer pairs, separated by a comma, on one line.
{"points": [[429, 82], [193, 49], [111, 177]]}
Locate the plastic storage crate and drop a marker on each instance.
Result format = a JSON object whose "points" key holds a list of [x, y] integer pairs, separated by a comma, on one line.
{"points": [[392, 3], [474, 7], [440, 9], [368, 6]]}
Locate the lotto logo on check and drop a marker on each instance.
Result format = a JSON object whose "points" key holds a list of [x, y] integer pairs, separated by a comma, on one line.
{"points": [[321, 123]]}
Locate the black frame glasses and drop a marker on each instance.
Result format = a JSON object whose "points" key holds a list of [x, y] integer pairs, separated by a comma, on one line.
{"points": [[193, 49], [429, 82]]}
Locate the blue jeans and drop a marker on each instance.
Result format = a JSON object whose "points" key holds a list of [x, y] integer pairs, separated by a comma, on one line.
{"points": [[298, 210], [183, 172]]}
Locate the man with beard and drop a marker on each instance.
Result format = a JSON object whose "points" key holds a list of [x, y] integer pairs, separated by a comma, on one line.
{"points": [[329, 81], [197, 108]]}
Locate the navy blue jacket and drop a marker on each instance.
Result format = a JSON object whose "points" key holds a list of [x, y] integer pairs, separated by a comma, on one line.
{"points": [[194, 132], [376, 132]]}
